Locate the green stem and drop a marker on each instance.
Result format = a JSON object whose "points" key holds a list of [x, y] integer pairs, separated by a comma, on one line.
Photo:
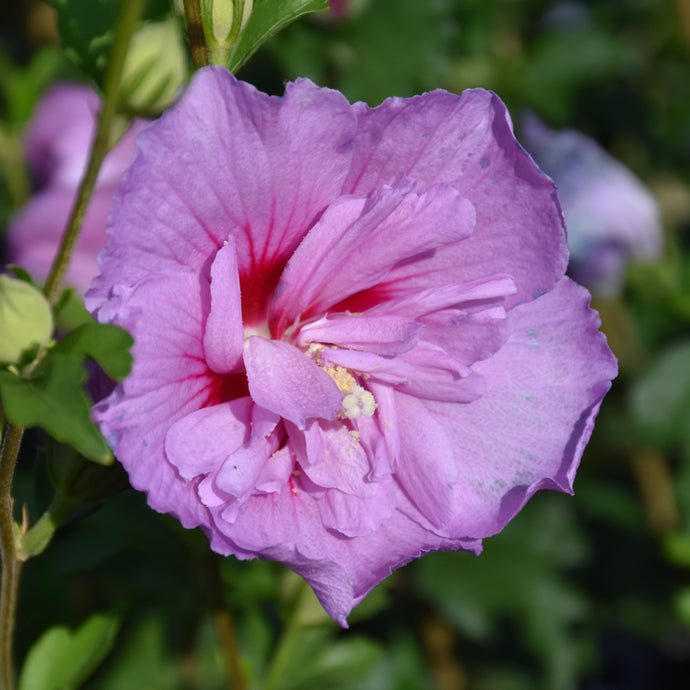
{"points": [[9, 583], [14, 166], [129, 15], [195, 32], [289, 641], [225, 628]]}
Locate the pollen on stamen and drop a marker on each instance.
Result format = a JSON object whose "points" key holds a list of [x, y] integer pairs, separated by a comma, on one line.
{"points": [[358, 402]]}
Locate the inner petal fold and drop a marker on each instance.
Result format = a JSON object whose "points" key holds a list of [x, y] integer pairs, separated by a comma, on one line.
{"points": [[286, 381], [224, 334]]}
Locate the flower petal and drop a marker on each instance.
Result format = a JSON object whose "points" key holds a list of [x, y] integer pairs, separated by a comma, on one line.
{"points": [[427, 469], [229, 160], [465, 141], [187, 441], [287, 382], [358, 242], [384, 335], [224, 334], [544, 388], [168, 382]]}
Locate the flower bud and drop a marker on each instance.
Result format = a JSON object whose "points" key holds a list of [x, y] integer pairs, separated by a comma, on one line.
{"points": [[26, 319], [223, 22], [155, 67]]}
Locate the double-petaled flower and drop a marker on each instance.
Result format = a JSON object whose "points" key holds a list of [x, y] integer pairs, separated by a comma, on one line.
{"points": [[353, 339]]}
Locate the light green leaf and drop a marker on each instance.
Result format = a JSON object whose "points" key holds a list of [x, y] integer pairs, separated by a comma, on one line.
{"points": [[267, 18], [53, 399], [62, 659]]}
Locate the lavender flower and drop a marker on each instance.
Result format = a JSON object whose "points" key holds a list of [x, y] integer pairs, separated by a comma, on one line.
{"points": [[353, 340], [57, 145], [612, 217]]}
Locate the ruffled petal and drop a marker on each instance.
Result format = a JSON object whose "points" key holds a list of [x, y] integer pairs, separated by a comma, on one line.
{"points": [[427, 468], [465, 141], [187, 442], [288, 527], [528, 430], [229, 160], [439, 376], [358, 242], [168, 382]]}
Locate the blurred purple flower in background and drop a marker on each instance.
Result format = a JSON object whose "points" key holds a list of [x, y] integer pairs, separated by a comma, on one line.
{"points": [[354, 343], [611, 217], [57, 147]]}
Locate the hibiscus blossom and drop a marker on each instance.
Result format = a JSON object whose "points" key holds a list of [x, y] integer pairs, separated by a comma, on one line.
{"points": [[58, 141], [353, 340]]}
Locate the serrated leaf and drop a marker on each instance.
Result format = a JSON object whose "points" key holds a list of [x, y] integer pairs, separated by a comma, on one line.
{"points": [[106, 344], [267, 18], [53, 399], [62, 659]]}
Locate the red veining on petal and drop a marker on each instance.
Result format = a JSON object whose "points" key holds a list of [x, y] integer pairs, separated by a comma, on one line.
{"points": [[363, 300], [226, 388]]}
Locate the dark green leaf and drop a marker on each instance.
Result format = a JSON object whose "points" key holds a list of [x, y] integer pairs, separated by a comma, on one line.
{"points": [[62, 659], [106, 344], [53, 399], [86, 28], [267, 18], [518, 576], [21, 274]]}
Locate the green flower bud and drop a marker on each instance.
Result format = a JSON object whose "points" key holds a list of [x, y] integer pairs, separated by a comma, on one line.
{"points": [[223, 22], [155, 67], [26, 319]]}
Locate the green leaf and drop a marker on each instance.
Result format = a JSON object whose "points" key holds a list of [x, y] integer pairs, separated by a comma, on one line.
{"points": [[660, 401], [143, 661], [518, 576], [106, 344], [21, 87], [62, 659], [70, 312], [53, 399], [318, 660], [86, 28], [267, 18]]}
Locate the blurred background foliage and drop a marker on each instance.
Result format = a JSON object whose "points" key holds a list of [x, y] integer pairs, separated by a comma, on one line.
{"points": [[590, 592]]}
